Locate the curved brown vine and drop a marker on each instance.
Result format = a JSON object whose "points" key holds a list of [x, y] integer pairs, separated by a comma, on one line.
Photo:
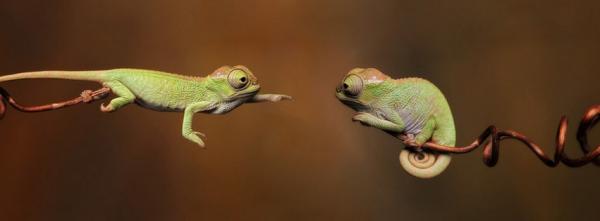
{"points": [[491, 148], [86, 96]]}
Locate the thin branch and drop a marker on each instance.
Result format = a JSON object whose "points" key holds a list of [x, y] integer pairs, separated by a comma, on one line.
{"points": [[491, 153], [86, 96]]}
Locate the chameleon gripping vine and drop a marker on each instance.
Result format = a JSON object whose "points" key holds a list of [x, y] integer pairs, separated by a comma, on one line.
{"points": [[491, 148], [217, 93], [410, 109], [416, 112]]}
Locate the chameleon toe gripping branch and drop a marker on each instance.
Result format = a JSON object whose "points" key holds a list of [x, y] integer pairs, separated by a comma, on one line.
{"points": [[416, 112], [218, 93]]}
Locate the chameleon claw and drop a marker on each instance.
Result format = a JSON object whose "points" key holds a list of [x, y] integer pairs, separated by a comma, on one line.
{"points": [[199, 141], [280, 97], [410, 141], [106, 108], [193, 136], [360, 117], [201, 144], [199, 133], [270, 97], [286, 97]]}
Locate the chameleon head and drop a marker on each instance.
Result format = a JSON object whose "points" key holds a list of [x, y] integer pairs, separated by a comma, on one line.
{"points": [[358, 87], [370, 91], [236, 83]]}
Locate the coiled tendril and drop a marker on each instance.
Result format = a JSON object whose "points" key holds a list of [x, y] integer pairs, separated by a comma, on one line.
{"points": [[490, 150]]}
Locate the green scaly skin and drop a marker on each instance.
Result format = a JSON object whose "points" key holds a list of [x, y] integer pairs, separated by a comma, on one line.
{"points": [[411, 109], [218, 93]]}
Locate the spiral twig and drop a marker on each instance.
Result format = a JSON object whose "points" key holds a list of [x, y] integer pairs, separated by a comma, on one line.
{"points": [[490, 151], [86, 96]]}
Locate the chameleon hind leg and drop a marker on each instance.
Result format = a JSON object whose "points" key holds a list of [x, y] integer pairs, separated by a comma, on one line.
{"points": [[124, 96], [423, 136]]}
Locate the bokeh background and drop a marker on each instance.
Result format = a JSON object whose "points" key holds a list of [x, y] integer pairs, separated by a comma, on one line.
{"points": [[516, 64]]}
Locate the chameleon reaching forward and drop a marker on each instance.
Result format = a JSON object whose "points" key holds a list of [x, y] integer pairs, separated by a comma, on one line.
{"points": [[411, 109], [218, 93]]}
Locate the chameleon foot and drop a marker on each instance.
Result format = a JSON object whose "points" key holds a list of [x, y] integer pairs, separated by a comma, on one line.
{"points": [[270, 97], [278, 98], [193, 136], [362, 118], [410, 141], [199, 133], [106, 108]]}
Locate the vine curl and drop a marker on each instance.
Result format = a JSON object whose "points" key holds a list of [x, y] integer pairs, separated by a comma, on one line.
{"points": [[491, 147]]}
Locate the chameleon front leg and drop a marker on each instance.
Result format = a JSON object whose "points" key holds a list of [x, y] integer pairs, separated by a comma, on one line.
{"points": [[373, 121], [188, 114], [269, 97], [125, 96]]}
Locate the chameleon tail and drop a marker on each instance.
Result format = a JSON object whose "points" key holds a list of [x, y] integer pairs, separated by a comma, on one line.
{"points": [[98, 76], [424, 164]]}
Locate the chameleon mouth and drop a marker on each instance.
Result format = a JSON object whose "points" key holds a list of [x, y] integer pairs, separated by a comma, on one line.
{"points": [[344, 99], [352, 103], [243, 95]]}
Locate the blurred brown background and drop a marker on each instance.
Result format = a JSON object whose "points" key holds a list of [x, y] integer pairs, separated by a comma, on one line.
{"points": [[515, 64]]}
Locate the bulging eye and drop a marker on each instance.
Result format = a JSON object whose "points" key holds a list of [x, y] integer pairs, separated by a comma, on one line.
{"points": [[238, 79], [352, 85]]}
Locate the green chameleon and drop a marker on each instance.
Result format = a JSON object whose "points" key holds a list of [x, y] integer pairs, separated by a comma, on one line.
{"points": [[411, 109], [218, 93]]}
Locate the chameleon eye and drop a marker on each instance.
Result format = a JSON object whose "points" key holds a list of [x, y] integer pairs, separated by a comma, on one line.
{"points": [[238, 79], [352, 85]]}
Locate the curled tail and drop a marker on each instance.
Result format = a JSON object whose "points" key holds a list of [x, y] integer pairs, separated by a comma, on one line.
{"points": [[430, 163], [98, 76], [424, 164]]}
